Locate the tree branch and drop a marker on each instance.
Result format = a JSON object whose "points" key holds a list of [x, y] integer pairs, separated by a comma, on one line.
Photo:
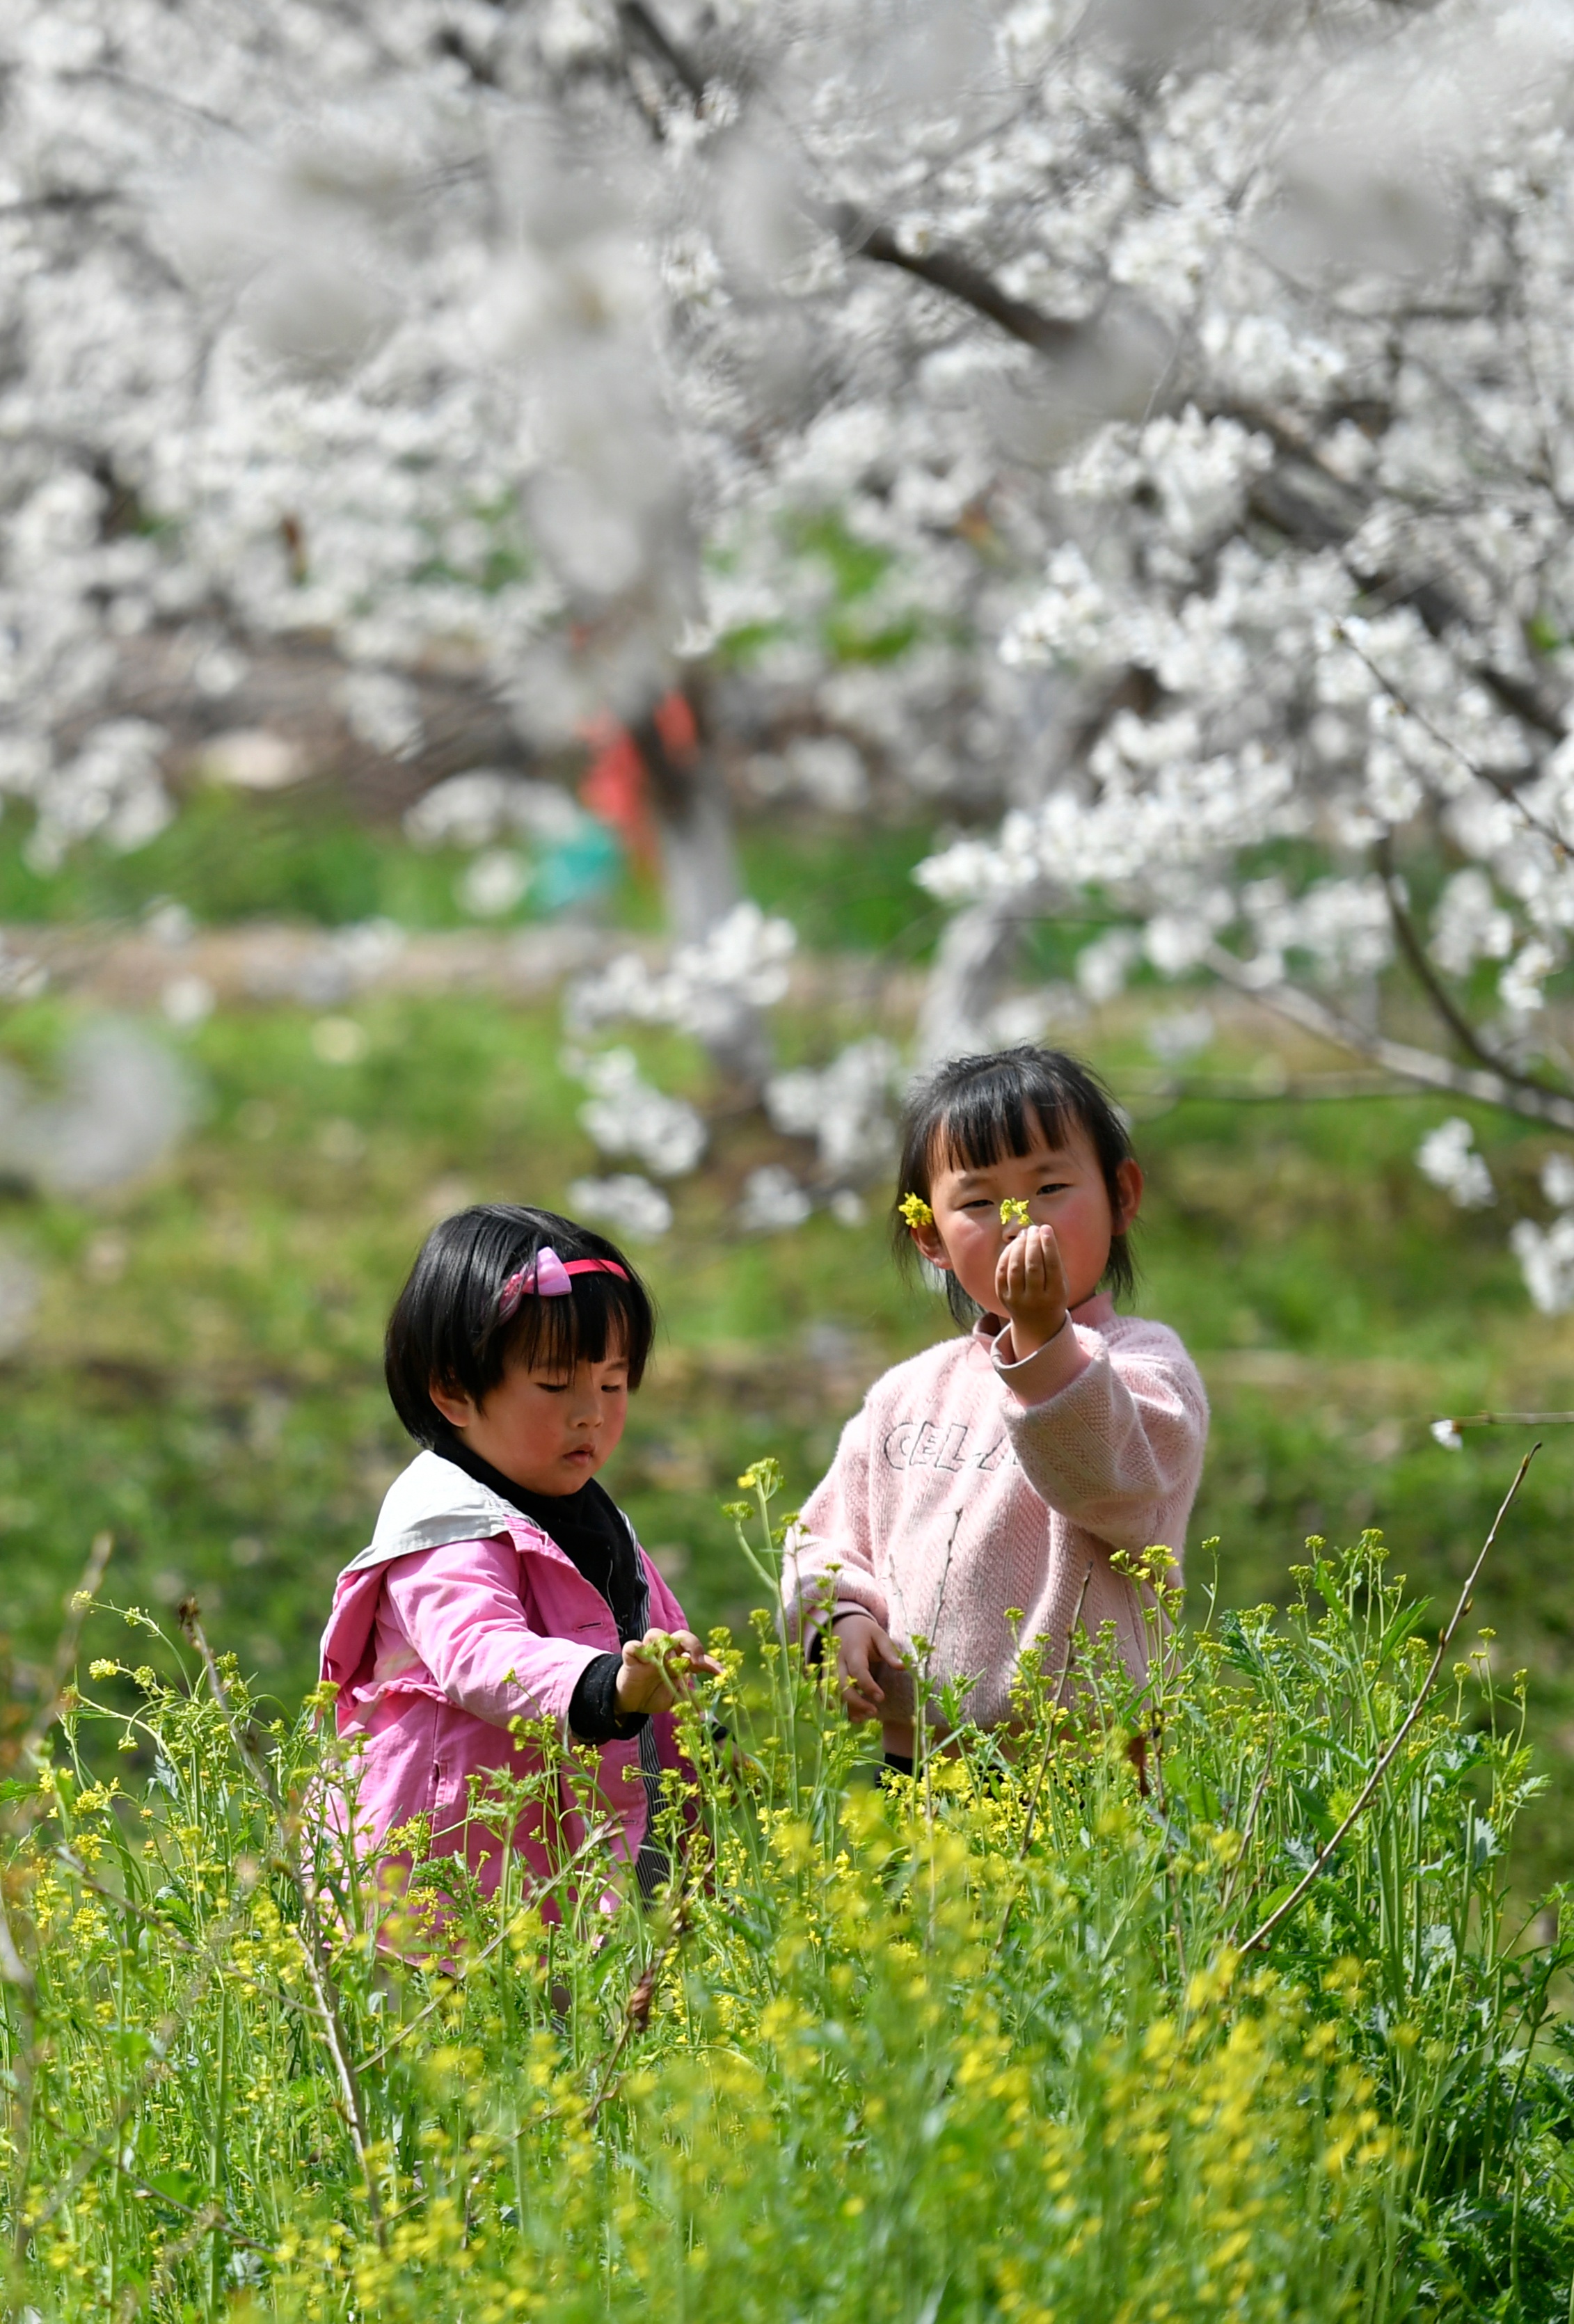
{"points": [[947, 270], [942, 269], [1411, 1064], [1330, 515], [641, 26], [1441, 1000]]}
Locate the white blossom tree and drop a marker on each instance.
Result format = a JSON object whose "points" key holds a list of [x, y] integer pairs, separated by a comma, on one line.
{"points": [[1151, 417]]}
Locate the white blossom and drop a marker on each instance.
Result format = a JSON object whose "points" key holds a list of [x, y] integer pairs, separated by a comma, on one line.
{"points": [[1447, 1156], [1469, 924], [187, 1002], [1546, 1259], [487, 804], [626, 1115], [1231, 562], [624, 1205], [1519, 987], [773, 1202], [1178, 1034], [494, 884], [741, 965], [845, 1108], [122, 1104], [1104, 965]]}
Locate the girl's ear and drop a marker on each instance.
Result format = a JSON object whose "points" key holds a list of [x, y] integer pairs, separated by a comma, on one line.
{"points": [[457, 1408], [1130, 1180], [926, 1235]]}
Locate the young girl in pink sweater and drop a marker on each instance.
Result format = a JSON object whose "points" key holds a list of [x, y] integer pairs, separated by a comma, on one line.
{"points": [[1002, 1470], [502, 1581]]}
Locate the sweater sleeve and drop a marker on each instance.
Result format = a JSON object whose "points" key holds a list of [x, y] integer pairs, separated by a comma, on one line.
{"points": [[829, 1552], [1112, 1436], [593, 1716], [460, 1608]]}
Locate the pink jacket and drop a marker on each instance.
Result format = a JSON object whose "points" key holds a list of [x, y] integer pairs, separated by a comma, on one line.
{"points": [[460, 1616], [970, 1483]]}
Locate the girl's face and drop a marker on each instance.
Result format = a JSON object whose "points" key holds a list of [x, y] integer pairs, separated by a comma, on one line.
{"points": [[1064, 1188], [548, 1430]]}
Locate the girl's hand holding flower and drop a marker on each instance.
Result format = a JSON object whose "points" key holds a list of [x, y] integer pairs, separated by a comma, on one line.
{"points": [[656, 1668], [861, 1647], [1030, 1288]]}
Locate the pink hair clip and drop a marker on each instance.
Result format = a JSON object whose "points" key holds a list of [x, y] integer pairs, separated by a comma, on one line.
{"points": [[546, 1276]]}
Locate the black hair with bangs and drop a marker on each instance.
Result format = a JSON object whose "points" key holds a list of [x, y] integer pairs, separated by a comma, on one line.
{"points": [[445, 1329], [972, 1111]]}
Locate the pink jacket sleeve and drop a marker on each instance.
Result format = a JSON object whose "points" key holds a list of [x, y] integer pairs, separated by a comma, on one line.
{"points": [[833, 1532], [1111, 1437], [460, 1608]]}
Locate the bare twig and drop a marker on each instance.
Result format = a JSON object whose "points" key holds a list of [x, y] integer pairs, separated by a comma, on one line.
{"points": [[944, 269], [1427, 977], [1493, 781], [1411, 1064], [1511, 1420], [950, 270], [1260, 1935], [79, 1605], [641, 25]]}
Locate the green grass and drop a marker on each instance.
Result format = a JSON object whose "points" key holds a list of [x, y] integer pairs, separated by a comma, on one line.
{"points": [[304, 855], [204, 1375]]}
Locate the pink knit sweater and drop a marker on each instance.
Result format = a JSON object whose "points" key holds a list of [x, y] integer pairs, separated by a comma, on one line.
{"points": [[971, 1482]]}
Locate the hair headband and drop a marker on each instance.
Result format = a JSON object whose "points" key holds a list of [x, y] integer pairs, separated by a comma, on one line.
{"points": [[547, 1277]]}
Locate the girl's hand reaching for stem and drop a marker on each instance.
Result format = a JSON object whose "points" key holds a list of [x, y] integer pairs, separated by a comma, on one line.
{"points": [[1030, 1284], [860, 1646], [656, 1670]]}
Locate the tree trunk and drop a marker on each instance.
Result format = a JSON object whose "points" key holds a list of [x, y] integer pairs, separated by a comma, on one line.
{"points": [[694, 825], [699, 864]]}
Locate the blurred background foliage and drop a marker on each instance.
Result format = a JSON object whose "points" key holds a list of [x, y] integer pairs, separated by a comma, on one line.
{"points": [[200, 1371]]}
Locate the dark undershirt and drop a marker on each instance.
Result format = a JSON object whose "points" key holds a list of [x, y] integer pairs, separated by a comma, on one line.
{"points": [[588, 1529]]}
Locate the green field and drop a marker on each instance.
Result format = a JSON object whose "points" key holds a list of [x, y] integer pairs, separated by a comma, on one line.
{"points": [[203, 1376]]}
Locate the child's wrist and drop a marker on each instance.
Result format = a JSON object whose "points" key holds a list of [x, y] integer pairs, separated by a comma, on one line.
{"points": [[1029, 1338]]}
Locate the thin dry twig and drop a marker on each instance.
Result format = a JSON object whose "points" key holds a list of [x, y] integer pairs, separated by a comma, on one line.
{"points": [[1401, 1057], [1260, 1936], [78, 1607], [1509, 1420]]}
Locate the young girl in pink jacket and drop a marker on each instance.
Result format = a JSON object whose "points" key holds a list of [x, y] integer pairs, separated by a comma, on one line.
{"points": [[502, 1581], [1002, 1470]]}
